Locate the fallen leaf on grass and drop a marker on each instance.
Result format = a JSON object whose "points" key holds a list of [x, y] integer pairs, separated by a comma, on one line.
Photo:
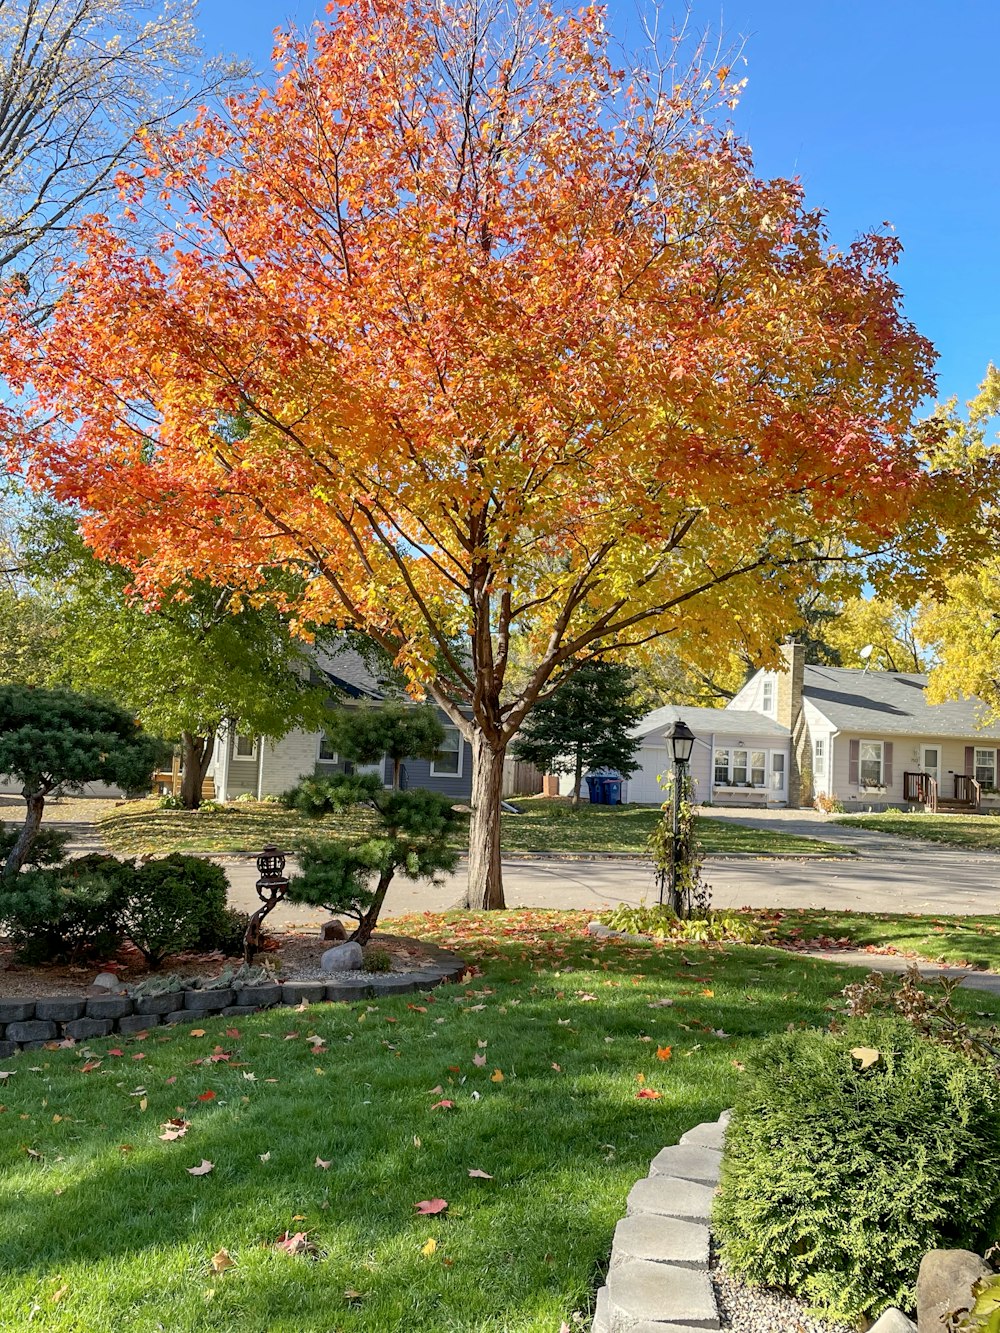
{"points": [[221, 1260], [480, 1175], [557, 1068], [479, 1061], [443, 1105], [496, 1076], [139, 1055], [171, 1079], [264, 1156], [867, 1055], [57, 1296], [352, 1296], [296, 1243], [660, 1004], [197, 1032], [429, 1207], [429, 1247], [6, 1073], [89, 1067], [201, 1170], [232, 1032], [649, 1094], [207, 1096], [321, 1165], [174, 1129], [664, 1052], [115, 1051]]}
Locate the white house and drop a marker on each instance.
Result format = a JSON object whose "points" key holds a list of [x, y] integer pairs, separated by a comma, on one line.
{"points": [[870, 739]]}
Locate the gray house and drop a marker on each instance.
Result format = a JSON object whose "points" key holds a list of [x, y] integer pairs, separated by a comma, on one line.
{"points": [[245, 764], [870, 739]]}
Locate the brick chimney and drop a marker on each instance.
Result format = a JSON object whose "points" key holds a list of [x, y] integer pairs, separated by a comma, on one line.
{"points": [[788, 713]]}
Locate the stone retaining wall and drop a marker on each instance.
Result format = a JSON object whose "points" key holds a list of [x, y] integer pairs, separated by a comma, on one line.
{"points": [[27, 1024]]}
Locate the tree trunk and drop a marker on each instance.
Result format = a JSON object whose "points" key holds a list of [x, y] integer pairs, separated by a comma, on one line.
{"points": [[196, 756], [577, 776], [485, 875], [397, 768], [29, 832], [370, 919]]}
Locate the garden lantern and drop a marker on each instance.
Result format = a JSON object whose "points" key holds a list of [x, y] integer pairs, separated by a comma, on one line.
{"points": [[681, 739], [271, 888]]}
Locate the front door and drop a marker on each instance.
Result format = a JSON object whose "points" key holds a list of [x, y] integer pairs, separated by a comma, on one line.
{"points": [[930, 762]]}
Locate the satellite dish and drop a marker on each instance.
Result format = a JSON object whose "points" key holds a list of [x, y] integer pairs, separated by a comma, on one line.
{"points": [[866, 651]]}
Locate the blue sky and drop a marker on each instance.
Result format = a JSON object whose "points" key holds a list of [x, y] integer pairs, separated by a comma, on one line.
{"points": [[888, 111]]}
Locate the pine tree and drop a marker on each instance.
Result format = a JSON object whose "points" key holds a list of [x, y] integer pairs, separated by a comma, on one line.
{"points": [[586, 724], [402, 731]]}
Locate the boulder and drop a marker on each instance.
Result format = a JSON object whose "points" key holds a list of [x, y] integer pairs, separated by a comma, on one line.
{"points": [[893, 1321], [333, 930], [944, 1286], [343, 958], [106, 981]]}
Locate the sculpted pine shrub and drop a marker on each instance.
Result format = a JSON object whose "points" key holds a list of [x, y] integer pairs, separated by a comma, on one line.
{"points": [[851, 1154]]}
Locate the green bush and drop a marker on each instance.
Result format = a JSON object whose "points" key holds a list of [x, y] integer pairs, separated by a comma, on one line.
{"points": [[837, 1178], [70, 913], [225, 934], [377, 958], [662, 923], [48, 848], [332, 793], [175, 903]]}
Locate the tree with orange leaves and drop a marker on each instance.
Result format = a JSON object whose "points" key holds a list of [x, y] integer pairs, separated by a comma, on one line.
{"points": [[487, 340]]}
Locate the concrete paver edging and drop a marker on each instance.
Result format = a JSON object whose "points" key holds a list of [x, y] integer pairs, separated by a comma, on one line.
{"points": [[658, 1277]]}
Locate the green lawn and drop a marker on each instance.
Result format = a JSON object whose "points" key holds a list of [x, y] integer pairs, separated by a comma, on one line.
{"points": [[103, 1227], [974, 940], [981, 831], [140, 828]]}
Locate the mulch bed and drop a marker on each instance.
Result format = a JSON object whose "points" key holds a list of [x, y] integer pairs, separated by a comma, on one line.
{"points": [[292, 955]]}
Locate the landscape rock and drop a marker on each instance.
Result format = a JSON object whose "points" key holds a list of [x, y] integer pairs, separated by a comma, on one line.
{"points": [[600, 931], [157, 1004], [709, 1135], [106, 981], [109, 1006], [16, 1011], [944, 1286], [333, 930], [662, 1240], [7, 1049], [668, 1196], [893, 1321], [262, 995], [343, 958], [138, 1022], [297, 992], [208, 1001]]}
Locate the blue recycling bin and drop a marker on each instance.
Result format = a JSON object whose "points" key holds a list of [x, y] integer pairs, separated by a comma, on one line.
{"points": [[611, 791], [595, 782]]}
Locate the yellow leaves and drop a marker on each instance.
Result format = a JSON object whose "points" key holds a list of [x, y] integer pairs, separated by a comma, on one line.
{"points": [[866, 1056], [496, 1076], [429, 1247], [222, 1260]]}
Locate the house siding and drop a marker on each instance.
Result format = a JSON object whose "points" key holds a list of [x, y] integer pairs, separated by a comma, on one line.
{"points": [[906, 758]]}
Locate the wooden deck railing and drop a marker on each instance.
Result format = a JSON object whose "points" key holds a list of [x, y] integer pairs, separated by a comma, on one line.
{"points": [[967, 790], [924, 790]]}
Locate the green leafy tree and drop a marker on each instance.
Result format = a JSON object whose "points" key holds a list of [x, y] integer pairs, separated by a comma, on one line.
{"points": [[53, 740], [585, 724], [412, 833], [200, 658], [400, 730]]}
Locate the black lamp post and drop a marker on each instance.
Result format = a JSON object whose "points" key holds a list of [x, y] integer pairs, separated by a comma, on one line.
{"points": [[681, 739], [271, 888]]}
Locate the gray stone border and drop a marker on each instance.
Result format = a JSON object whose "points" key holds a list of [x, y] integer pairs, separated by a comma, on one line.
{"points": [[658, 1277], [30, 1024]]}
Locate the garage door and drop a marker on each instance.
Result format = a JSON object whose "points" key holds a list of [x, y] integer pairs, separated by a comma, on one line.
{"points": [[642, 785]]}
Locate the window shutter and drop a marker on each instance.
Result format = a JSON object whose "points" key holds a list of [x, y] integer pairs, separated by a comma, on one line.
{"points": [[970, 761], [887, 763], [854, 763]]}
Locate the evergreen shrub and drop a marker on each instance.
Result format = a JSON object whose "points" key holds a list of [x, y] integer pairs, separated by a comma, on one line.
{"points": [[837, 1178], [175, 903], [69, 913]]}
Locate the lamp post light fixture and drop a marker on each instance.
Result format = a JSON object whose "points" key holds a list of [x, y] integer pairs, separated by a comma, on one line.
{"points": [[681, 739], [271, 888]]}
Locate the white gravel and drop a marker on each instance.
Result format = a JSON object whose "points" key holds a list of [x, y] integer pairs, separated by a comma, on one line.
{"points": [[745, 1309]]}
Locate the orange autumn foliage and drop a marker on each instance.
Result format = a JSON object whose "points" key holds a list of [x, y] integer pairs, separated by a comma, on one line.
{"points": [[489, 343]]}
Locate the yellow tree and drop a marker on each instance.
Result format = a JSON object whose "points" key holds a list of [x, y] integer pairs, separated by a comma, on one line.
{"points": [[883, 626], [485, 338]]}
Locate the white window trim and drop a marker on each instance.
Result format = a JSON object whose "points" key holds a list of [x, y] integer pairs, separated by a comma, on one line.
{"points": [[872, 786], [245, 758], [461, 759], [320, 757], [730, 783], [768, 697], [984, 749]]}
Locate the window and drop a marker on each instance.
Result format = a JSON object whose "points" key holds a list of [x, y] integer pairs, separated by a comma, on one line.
{"points": [[758, 767], [819, 757], [325, 753], [870, 763], [721, 767], [244, 747], [986, 768], [777, 771], [448, 760], [739, 769], [768, 703]]}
